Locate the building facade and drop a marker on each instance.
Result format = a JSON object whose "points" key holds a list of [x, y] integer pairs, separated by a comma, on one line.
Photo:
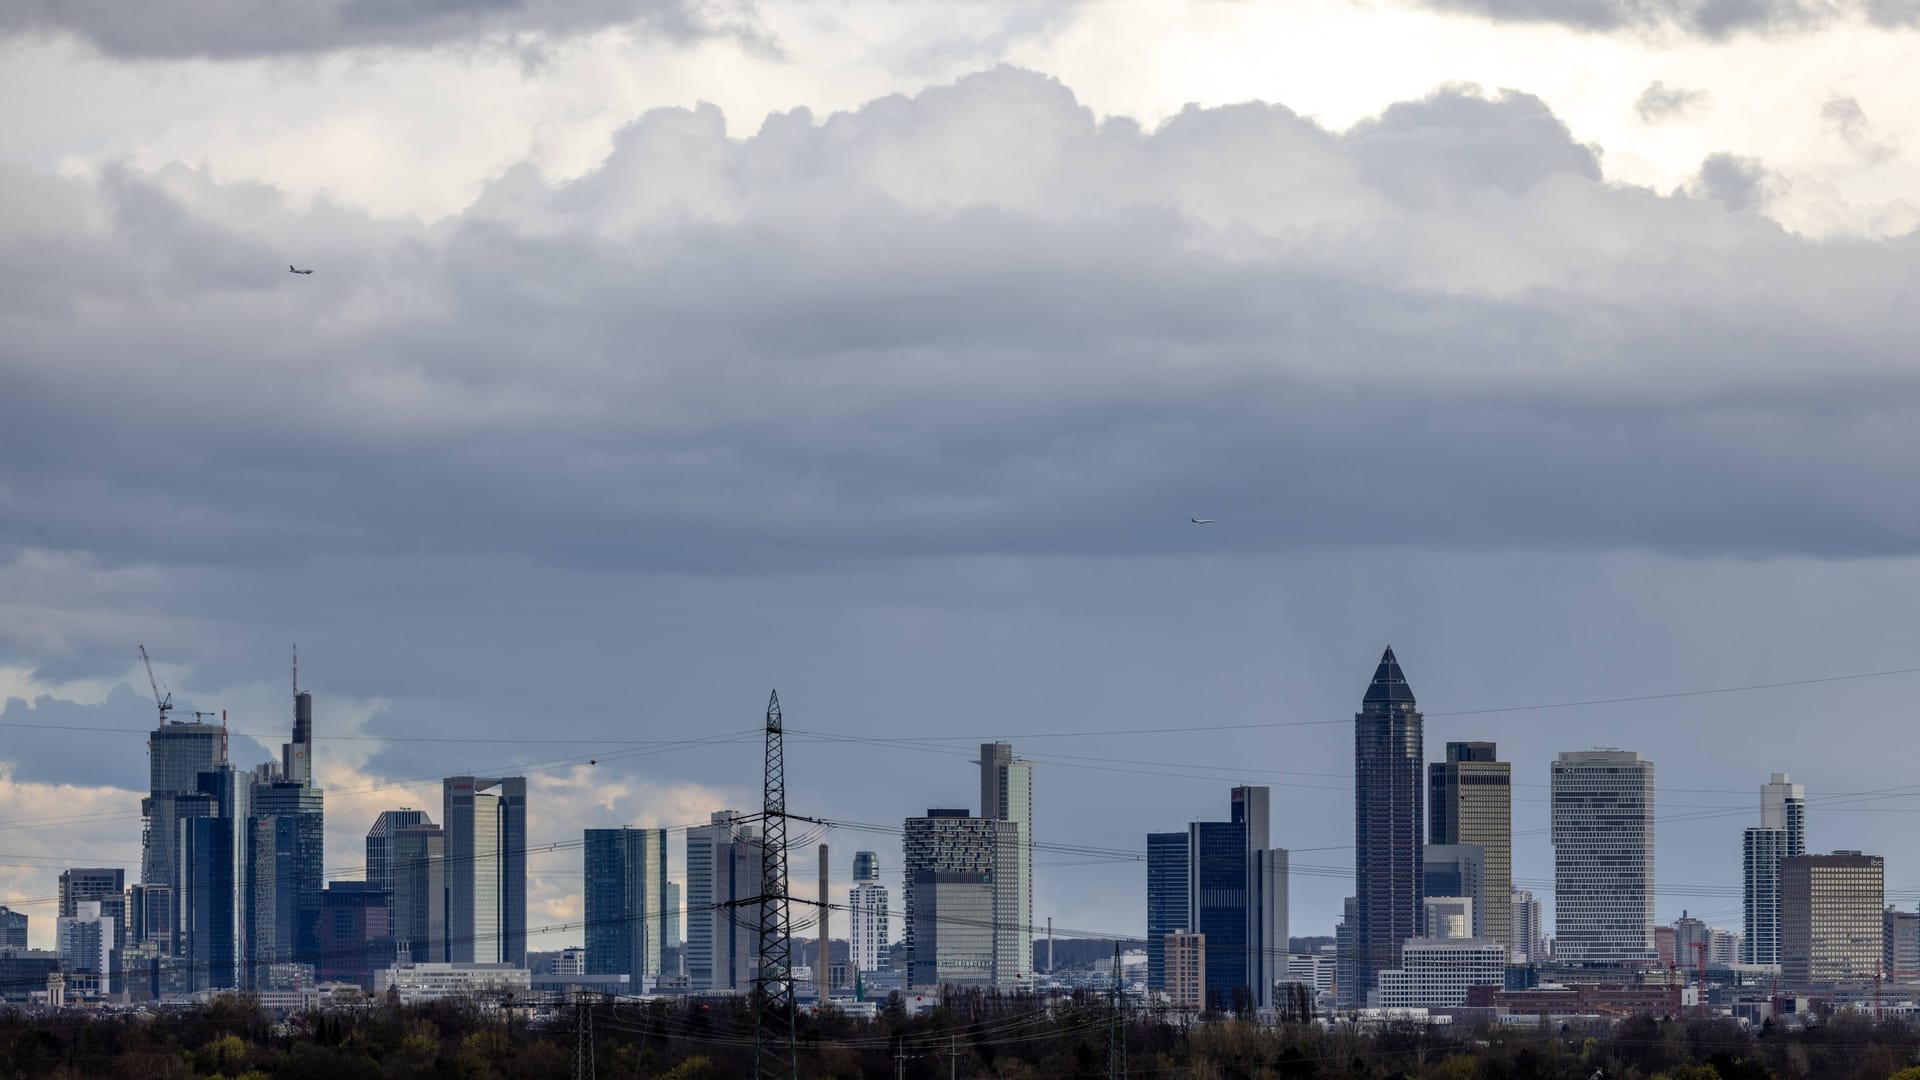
{"points": [[868, 930], [723, 869], [626, 904], [1389, 823], [1166, 899], [356, 933], [13, 929], [963, 922], [85, 942], [1529, 929], [1006, 794], [1470, 802], [1900, 938], [380, 843], [1832, 924], [1438, 973], [417, 864], [1783, 806], [1761, 850], [485, 824], [1457, 870], [1603, 805], [1185, 956], [177, 754]]}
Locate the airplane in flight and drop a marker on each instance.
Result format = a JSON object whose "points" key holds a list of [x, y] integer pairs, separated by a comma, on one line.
{"points": [[1201, 521], [291, 270]]}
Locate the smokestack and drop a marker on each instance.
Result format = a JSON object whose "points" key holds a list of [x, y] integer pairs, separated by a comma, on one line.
{"points": [[820, 972]]}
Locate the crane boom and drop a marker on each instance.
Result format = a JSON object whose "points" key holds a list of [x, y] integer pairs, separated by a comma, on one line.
{"points": [[163, 700]]}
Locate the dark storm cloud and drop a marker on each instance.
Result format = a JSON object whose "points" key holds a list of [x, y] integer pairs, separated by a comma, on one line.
{"points": [[1708, 18], [1659, 102], [233, 29], [973, 322]]}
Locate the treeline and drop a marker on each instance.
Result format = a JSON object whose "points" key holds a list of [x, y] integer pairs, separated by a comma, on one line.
{"points": [[971, 1035]]}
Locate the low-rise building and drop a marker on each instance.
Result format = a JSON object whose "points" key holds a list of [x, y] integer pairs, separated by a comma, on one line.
{"points": [[1436, 973], [416, 983]]}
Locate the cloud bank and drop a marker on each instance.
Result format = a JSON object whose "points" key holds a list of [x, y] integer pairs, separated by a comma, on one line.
{"points": [[240, 29], [1706, 18]]}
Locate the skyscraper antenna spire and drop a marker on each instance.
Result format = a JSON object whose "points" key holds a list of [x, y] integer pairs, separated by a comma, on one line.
{"points": [[296, 671]]}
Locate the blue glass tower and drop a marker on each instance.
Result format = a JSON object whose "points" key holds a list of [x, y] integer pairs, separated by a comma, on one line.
{"points": [[1388, 815], [1166, 899]]}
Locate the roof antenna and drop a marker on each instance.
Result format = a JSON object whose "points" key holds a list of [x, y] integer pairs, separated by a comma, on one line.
{"points": [[296, 671]]}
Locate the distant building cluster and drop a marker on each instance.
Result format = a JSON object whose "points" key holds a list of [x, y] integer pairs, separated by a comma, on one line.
{"points": [[232, 894]]}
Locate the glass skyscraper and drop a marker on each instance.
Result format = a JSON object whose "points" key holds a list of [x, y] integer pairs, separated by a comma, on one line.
{"points": [[626, 904], [1388, 820], [1166, 899]]}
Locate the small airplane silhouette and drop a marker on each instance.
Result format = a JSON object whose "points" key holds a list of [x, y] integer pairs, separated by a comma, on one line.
{"points": [[291, 270], [1201, 521]]}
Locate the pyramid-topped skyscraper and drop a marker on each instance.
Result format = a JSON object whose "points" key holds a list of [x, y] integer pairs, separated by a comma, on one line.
{"points": [[1388, 824]]}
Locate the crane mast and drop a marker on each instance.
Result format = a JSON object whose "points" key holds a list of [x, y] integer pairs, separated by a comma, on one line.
{"points": [[164, 700]]}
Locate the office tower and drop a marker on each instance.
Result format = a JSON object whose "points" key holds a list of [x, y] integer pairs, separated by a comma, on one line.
{"points": [[626, 904], [1346, 956], [1236, 899], [103, 885], [1458, 870], [1166, 899], [1389, 820], [1265, 965], [485, 824], [1471, 802], [1723, 946], [213, 892], [417, 855], [1448, 918], [1761, 850], [380, 843], [1006, 794], [963, 923], [1832, 925], [1603, 857], [1900, 944], [1436, 973], [670, 963], [1185, 976], [296, 756], [85, 942], [1689, 937], [723, 869], [1783, 806], [1217, 906], [287, 847], [13, 929], [356, 937], [1528, 927], [867, 915], [177, 753]]}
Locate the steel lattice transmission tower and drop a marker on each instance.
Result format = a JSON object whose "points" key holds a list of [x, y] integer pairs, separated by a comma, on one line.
{"points": [[583, 1066], [773, 984]]}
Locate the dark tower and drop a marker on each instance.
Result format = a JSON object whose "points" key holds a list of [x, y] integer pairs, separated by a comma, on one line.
{"points": [[1388, 815]]}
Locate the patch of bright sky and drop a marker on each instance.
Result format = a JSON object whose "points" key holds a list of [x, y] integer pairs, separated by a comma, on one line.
{"points": [[420, 133]]}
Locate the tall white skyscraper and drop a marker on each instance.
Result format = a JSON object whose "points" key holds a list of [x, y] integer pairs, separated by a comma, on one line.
{"points": [[867, 915], [1783, 805], [1528, 940], [485, 838], [1782, 834], [1006, 794], [1603, 856], [723, 869]]}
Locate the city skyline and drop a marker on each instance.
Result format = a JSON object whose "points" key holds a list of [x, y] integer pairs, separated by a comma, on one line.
{"points": [[335, 871]]}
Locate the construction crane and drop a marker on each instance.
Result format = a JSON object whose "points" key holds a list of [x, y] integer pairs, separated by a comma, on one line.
{"points": [[163, 699]]}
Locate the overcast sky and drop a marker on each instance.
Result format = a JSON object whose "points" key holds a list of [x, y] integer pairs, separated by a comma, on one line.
{"points": [[660, 353]]}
